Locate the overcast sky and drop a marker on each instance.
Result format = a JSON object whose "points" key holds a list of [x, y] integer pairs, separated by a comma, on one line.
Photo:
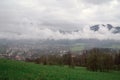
{"points": [[30, 18]]}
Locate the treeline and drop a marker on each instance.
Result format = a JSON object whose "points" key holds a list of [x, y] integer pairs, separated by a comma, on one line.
{"points": [[95, 59], [100, 60], [68, 58]]}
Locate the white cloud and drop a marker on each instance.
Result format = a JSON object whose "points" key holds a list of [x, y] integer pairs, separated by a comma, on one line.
{"points": [[26, 17], [46, 33], [97, 2]]}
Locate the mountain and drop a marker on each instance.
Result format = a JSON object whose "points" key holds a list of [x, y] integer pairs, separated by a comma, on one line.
{"points": [[96, 28], [109, 27]]}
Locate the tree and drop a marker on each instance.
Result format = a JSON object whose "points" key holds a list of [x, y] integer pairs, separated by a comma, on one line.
{"points": [[97, 60], [69, 59], [92, 62], [117, 61]]}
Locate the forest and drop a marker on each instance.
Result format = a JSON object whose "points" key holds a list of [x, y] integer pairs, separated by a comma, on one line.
{"points": [[96, 59]]}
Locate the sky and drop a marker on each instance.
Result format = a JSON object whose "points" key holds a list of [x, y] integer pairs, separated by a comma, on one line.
{"points": [[42, 19]]}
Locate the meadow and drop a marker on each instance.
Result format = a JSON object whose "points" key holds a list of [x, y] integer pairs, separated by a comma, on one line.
{"points": [[77, 47], [18, 70]]}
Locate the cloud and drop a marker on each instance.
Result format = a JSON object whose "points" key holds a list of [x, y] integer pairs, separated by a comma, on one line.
{"points": [[25, 18], [46, 33], [97, 2]]}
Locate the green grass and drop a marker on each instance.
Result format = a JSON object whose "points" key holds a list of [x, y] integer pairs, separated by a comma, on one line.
{"points": [[16, 70], [116, 46], [77, 48]]}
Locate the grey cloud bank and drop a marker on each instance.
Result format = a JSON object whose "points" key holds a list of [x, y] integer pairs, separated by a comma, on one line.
{"points": [[42, 19]]}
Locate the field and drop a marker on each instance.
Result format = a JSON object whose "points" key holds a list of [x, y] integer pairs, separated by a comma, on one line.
{"points": [[17, 70], [78, 47], [81, 47]]}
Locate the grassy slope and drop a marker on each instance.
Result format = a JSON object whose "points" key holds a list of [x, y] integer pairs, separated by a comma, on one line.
{"points": [[14, 70]]}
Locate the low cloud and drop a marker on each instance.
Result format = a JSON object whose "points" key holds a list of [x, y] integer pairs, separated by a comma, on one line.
{"points": [[45, 33]]}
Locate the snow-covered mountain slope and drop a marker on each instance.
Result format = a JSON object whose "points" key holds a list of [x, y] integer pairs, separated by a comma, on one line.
{"points": [[108, 27]]}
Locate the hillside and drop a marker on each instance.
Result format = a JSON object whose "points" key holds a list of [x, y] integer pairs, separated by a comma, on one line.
{"points": [[15, 70]]}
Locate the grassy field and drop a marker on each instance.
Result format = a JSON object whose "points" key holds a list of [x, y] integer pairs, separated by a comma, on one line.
{"points": [[77, 48], [16, 70]]}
